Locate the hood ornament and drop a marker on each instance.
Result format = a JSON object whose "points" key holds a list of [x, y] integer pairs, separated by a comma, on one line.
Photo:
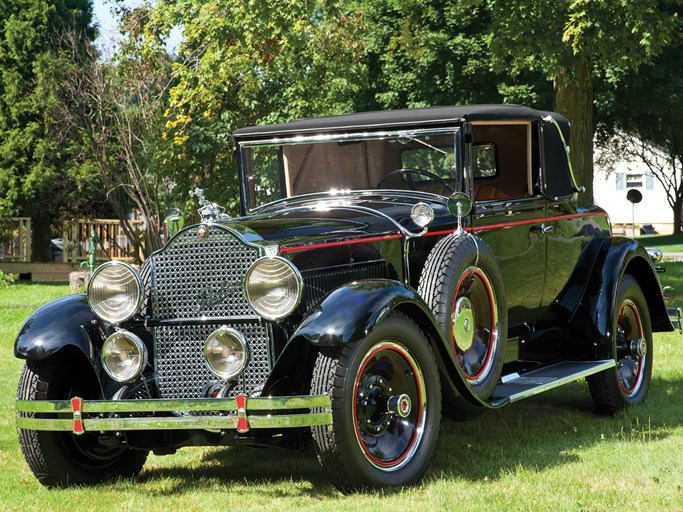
{"points": [[209, 212]]}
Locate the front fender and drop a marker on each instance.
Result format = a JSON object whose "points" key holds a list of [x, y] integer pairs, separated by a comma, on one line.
{"points": [[58, 324], [352, 311], [621, 256]]}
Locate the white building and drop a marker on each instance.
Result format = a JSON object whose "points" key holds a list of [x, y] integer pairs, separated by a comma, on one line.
{"points": [[610, 187]]}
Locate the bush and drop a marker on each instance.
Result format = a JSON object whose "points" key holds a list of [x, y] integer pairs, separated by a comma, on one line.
{"points": [[7, 280]]}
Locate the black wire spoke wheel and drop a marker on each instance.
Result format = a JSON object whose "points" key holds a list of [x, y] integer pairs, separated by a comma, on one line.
{"points": [[386, 406], [631, 348], [628, 383], [389, 406], [474, 317]]}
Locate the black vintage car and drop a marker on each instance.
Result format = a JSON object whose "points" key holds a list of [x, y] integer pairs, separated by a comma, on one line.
{"points": [[387, 268]]}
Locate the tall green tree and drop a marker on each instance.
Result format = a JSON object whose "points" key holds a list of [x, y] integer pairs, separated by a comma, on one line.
{"points": [[248, 62], [572, 41], [435, 52], [32, 179]]}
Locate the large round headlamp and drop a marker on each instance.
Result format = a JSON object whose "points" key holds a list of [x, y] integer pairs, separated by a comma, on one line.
{"points": [[273, 287], [124, 356], [115, 292], [226, 352]]}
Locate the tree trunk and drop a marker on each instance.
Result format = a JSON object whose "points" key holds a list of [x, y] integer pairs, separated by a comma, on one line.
{"points": [[677, 214], [573, 98], [41, 235]]}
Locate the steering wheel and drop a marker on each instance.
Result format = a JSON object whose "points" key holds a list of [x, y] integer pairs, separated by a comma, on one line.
{"points": [[406, 173]]}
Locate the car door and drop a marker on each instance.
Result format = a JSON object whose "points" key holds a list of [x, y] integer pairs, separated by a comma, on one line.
{"points": [[509, 212]]}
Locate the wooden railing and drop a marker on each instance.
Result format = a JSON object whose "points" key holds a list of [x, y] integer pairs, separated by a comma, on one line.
{"points": [[114, 244], [18, 247]]}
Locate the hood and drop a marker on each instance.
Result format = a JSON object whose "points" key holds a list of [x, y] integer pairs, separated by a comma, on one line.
{"points": [[319, 219]]}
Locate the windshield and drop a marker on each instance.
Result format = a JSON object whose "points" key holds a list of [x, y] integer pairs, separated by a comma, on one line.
{"points": [[419, 161]]}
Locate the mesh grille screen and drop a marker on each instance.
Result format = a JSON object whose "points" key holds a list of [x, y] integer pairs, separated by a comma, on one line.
{"points": [[198, 277], [181, 370]]}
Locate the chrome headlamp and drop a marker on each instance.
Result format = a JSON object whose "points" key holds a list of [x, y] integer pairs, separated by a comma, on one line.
{"points": [[124, 356], [115, 292], [226, 352], [422, 214], [273, 287]]}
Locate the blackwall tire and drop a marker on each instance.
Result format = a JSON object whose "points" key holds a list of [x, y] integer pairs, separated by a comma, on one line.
{"points": [[386, 407], [60, 459], [462, 284], [628, 383]]}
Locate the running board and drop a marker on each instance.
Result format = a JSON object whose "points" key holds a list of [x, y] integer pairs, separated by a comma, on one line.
{"points": [[518, 386]]}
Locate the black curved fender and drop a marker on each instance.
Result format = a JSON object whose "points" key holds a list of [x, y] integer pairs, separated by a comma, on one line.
{"points": [[619, 256], [58, 324], [352, 311]]}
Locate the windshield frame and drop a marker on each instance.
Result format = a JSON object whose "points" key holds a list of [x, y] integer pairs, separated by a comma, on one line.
{"points": [[243, 146]]}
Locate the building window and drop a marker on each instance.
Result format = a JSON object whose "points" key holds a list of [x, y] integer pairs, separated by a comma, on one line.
{"points": [[649, 181], [620, 181], [634, 180]]}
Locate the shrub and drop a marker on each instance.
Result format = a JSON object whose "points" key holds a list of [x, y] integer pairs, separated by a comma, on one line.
{"points": [[7, 280]]}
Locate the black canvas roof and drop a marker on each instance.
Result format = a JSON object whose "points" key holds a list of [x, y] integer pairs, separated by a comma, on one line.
{"points": [[432, 116]]}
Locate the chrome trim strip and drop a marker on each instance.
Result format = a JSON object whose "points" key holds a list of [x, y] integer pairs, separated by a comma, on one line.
{"points": [[331, 136], [99, 407]]}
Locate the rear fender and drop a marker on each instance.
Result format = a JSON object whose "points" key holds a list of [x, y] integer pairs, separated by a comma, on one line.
{"points": [[352, 311], [621, 256]]}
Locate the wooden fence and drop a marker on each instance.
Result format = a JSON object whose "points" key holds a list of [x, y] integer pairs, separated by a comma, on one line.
{"points": [[18, 247], [114, 244]]}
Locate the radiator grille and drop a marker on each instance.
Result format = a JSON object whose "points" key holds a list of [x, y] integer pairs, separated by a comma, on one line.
{"points": [[202, 277]]}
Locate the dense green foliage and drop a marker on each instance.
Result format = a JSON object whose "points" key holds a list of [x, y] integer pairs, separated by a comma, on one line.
{"points": [[144, 128], [32, 162], [646, 106], [571, 42]]}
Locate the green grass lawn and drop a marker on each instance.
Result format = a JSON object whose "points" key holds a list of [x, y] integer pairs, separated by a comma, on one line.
{"points": [[667, 243], [547, 453]]}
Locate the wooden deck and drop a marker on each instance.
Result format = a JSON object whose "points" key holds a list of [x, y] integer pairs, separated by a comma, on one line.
{"points": [[41, 272]]}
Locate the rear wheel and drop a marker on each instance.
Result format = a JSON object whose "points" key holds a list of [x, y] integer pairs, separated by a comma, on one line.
{"points": [[386, 407], [58, 459], [628, 383]]}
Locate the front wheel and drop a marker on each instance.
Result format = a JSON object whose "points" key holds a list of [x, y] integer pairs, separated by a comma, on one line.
{"points": [[628, 383], [58, 459], [386, 407]]}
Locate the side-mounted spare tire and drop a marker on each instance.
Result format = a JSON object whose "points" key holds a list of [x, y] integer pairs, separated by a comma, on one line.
{"points": [[462, 284]]}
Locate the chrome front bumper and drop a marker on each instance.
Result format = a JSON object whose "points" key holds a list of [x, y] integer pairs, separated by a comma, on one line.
{"points": [[240, 413]]}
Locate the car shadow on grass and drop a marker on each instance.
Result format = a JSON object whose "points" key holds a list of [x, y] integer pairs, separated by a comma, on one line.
{"points": [[274, 472], [549, 430], [538, 434]]}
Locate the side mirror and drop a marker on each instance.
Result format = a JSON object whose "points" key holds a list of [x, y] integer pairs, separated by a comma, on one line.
{"points": [[460, 205]]}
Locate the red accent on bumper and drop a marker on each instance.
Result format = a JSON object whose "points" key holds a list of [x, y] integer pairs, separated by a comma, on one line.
{"points": [[242, 424], [78, 422]]}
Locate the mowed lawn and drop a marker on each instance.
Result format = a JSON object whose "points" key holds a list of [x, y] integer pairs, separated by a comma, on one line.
{"points": [[547, 453]]}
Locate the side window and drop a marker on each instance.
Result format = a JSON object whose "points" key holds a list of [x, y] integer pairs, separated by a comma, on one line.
{"points": [[484, 160], [502, 158]]}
